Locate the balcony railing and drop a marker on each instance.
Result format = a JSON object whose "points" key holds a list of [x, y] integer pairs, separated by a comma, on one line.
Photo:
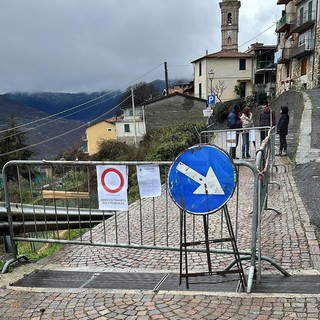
{"points": [[283, 55], [304, 22], [303, 49], [268, 64], [298, 2], [283, 24]]}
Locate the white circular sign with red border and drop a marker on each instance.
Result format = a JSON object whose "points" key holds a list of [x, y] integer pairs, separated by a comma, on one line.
{"points": [[112, 180]]}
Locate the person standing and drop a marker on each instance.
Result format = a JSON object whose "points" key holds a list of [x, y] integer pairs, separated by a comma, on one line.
{"points": [[282, 130], [247, 123], [267, 119], [234, 122]]}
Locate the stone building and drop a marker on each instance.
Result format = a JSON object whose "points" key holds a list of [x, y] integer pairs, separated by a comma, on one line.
{"points": [[174, 108], [298, 45], [231, 74], [158, 113]]}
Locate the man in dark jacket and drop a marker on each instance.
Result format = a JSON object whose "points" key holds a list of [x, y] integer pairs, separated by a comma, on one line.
{"points": [[282, 130], [267, 119], [234, 122]]}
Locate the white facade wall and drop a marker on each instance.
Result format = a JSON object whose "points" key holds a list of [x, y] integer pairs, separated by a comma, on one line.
{"points": [[131, 129], [225, 69]]}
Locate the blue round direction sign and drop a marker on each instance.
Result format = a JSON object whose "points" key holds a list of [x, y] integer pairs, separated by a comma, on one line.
{"points": [[202, 179]]}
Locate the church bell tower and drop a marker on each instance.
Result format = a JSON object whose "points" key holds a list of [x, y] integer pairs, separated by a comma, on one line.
{"points": [[229, 24]]}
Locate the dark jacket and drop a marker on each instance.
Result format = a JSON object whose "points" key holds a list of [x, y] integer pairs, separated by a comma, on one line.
{"points": [[282, 126], [233, 120], [265, 117]]}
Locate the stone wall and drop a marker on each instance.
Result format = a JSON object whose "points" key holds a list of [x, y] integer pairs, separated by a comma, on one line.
{"points": [[173, 109]]}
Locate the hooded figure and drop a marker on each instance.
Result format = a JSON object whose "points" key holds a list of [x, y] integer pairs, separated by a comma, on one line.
{"points": [[282, 130]]}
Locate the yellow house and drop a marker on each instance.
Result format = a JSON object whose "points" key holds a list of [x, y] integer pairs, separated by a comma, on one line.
{"points": [[98, 131]]}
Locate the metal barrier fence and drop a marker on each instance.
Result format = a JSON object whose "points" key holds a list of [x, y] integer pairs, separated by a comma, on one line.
{"points": [[66, 198], [230, 138]]}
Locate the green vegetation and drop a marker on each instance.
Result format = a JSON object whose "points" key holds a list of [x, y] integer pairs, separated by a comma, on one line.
{"points": [[13, 144], [167, 143], [39, 250], [164, 145]]}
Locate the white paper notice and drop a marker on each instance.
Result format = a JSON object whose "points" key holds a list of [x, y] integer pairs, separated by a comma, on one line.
{"points": [[231, 139], [112, 187], [148, 176], [252, 135]]}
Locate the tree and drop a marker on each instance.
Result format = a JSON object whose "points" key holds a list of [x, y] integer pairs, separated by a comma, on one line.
{"points": [[142, 91], [219, 88], [13, 143], [168, 142], [113, 150]]}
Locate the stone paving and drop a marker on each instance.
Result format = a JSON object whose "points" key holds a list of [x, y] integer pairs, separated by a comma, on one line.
{"points": [[288, 238]]}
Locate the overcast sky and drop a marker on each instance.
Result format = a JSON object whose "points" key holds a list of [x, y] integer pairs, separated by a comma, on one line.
{"points": [[94, 45]]}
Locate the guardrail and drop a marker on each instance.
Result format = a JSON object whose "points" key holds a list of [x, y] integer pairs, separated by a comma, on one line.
{"points": [[230, 138], [149, 223]]}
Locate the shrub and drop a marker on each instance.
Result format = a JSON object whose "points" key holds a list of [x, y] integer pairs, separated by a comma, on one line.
{"points": [[168, 142], [113, 150]]}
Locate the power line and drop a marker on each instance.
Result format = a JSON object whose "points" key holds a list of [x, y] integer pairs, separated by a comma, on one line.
{"points": [[68, 110], [48, 122], [61, 112], [63, 134], [262, 32], [85, 103]]}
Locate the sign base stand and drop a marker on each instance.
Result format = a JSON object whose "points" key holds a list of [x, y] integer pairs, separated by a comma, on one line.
{"points": [[184, 249]]}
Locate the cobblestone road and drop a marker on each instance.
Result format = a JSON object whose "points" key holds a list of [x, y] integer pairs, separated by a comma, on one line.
{"points": [[288, 238]]}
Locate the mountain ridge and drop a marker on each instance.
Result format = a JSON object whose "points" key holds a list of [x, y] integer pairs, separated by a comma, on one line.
{"points": [[48, 135], [55, 122]]}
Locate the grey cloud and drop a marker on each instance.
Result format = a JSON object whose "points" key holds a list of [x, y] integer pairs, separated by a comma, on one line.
{"points": [[89, 45]]}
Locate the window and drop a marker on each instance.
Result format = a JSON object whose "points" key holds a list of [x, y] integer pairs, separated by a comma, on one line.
{"points": [[242, 87], [229, 18], [109, 129], [242, 64], [128, 112], [287, 70], [303, 67], [200, 69], [259, 78], [200, 91], [310, 11], [301, 16], [126, 127], [302, 39]]}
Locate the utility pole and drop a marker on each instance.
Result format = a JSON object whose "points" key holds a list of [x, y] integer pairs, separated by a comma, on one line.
{"points": [[134, 119], [166, 78]]}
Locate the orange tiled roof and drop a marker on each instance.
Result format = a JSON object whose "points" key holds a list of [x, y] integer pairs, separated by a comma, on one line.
{"points": [[226, 54]]}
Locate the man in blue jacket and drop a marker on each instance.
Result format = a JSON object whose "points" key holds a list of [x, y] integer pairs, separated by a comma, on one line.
{"points": [[234, 122]]}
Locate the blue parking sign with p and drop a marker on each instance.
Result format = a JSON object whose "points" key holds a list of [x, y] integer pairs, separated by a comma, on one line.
{"points": [[211, 99]]}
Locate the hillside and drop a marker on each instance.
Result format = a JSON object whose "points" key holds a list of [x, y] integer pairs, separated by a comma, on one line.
{"points": [[84, 107], [39, 130]]}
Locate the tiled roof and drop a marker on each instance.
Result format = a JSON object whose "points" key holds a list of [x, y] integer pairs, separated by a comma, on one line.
{"points": [[225, 54], [112, 120]]}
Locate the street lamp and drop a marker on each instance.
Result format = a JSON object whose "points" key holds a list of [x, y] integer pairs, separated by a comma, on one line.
{"points": [[211, 75]]}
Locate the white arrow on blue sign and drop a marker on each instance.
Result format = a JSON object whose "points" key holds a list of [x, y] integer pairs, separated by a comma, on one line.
{"points": [[202, 179], [211, 99]]}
